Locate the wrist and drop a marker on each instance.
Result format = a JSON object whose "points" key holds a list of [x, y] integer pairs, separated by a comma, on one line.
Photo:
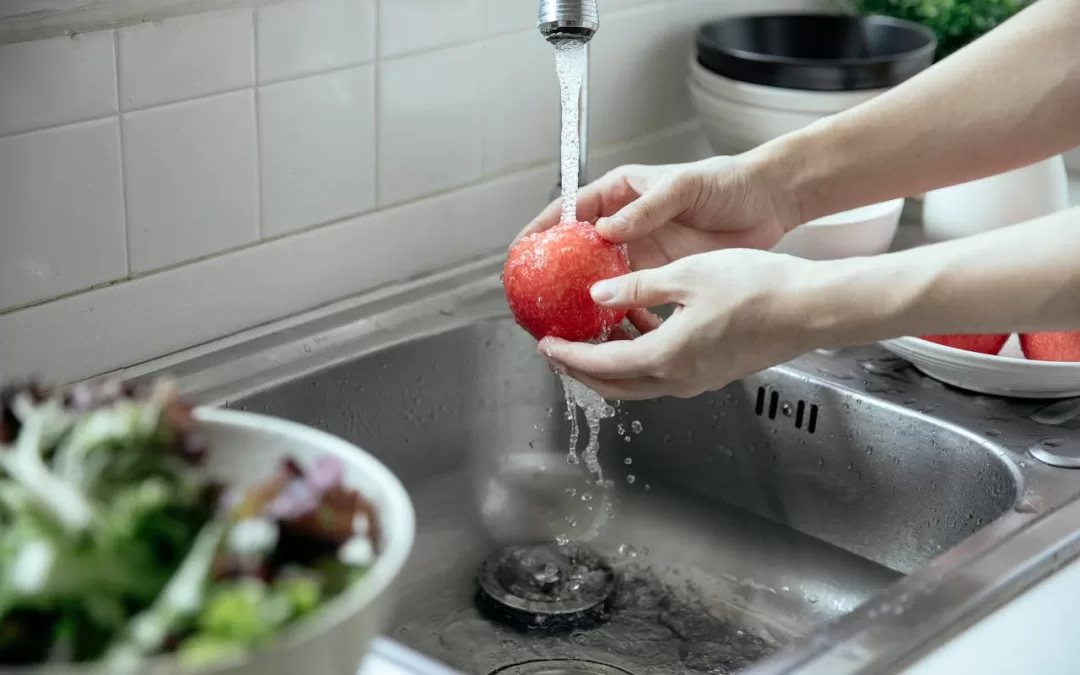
{"points": [[851, 301], [792, 168]]}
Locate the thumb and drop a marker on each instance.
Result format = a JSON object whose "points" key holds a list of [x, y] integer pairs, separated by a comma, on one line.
{"points": [[645, 288], [655, 207]]}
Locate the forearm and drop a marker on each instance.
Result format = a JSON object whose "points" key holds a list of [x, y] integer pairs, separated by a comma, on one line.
{"points": [[1005, 101], [1024, 278]]}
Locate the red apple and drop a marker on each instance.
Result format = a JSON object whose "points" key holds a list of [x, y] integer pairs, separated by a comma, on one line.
{"points": [[1061, 346], [547, 278], [983, 344]]}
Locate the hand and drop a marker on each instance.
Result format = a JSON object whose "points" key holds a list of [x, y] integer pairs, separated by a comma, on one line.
{"points": [[665, 213], [739, 311]]}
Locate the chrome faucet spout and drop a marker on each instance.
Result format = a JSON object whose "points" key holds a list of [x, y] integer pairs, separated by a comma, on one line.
{"points": [[568, 19], [561, 20]]}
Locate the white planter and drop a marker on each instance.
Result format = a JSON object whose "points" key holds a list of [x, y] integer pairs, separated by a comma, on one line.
{"points": [[997, 201]]}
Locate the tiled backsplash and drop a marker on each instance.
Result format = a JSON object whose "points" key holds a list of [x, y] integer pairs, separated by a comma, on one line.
{"points": [[172, 181]]}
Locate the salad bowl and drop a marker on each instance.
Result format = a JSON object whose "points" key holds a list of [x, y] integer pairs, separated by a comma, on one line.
{"points": [[245, 456]]}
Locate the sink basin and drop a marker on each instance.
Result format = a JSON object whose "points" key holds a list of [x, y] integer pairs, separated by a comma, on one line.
{"points": [[834, 515]]}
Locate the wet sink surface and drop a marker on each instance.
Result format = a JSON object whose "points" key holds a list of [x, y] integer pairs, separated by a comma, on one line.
{"points": [[738, 522]]}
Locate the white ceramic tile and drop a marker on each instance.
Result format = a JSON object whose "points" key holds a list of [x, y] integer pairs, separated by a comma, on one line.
{"points": [[508, 16], [310, 36], [190, 173], [186, 57], [683, 143], [631, 77], [415, 25], [61, 212], [48, 82], [521, 102], [430, 122], [147, 317], [317, 149], [511, 16]]}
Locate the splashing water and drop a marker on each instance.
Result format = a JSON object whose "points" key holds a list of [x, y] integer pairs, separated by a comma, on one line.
{"points": [[595, 409], [570, 67]]}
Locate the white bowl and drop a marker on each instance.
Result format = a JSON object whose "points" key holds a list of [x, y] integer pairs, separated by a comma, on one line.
{"points": [[867, 230], [1072, 160], [245, 449], [776, 98], [750, 125], [1002, 375]]}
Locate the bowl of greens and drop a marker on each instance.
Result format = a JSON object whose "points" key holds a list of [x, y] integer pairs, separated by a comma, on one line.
{"points": [[142, 534]]}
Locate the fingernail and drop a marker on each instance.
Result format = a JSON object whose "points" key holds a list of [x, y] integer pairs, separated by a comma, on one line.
{"points": [[545, 348], [612, 224], [602, 291]]}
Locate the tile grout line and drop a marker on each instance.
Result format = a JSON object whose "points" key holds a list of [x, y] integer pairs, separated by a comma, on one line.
{"points": [[123, 157], [193, 99], [376, 78], [260, 226], [653, 137]]}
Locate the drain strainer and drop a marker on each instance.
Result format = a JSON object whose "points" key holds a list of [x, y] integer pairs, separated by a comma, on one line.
{"points": [[547, 586], [560, 667]]}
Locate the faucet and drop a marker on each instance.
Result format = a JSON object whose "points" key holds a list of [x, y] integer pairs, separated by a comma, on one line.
{"points": [[573, 20]]}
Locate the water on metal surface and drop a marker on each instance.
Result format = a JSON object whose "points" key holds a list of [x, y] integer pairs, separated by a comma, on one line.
{"points": [[781, 514]]}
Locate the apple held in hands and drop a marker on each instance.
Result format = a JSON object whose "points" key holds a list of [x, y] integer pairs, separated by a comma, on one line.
{"points": [[547, 278]]}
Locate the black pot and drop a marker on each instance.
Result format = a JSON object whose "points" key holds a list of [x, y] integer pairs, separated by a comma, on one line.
{"points": [[817, 52]]}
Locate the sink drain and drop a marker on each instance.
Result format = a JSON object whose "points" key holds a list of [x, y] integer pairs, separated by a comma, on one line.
{"points": [[546, 586], [560, 667]]}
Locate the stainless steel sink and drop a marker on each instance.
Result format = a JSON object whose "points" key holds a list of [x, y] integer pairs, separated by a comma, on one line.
{"points": [[839, 514]]}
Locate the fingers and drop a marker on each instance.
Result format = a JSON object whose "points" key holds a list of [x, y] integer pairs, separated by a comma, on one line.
{"points": [[602, 197], [547, 219], [641, 289], [644, 320], [637, 389], [657, 206], [613, 360]]}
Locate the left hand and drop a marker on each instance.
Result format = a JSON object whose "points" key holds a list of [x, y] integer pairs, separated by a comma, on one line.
{"points": [[738, 311]]}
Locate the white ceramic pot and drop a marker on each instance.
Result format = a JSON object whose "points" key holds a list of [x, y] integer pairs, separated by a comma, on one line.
{"points": [[997, 201]]}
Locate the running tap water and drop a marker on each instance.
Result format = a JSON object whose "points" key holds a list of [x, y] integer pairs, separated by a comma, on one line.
{"points": [[561, 21]]}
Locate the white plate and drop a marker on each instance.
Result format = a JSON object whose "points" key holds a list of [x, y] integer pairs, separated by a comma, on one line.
{"points": [[756, 96], [1006, 375]]}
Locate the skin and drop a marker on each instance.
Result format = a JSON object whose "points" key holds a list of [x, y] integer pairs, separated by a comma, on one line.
{"points": [[697, 233]]}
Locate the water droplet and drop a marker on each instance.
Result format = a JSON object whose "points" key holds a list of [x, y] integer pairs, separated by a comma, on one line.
{"points": [[630, 479], [647, 486], [587, 497], [628, 461], [636, 427], [571, 491]]}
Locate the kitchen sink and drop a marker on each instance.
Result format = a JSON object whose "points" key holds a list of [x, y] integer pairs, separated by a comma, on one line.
{"points": [[838, 514]]}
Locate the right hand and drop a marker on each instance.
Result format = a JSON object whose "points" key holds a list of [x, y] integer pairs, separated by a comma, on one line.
{"points": [[664, 213]]}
